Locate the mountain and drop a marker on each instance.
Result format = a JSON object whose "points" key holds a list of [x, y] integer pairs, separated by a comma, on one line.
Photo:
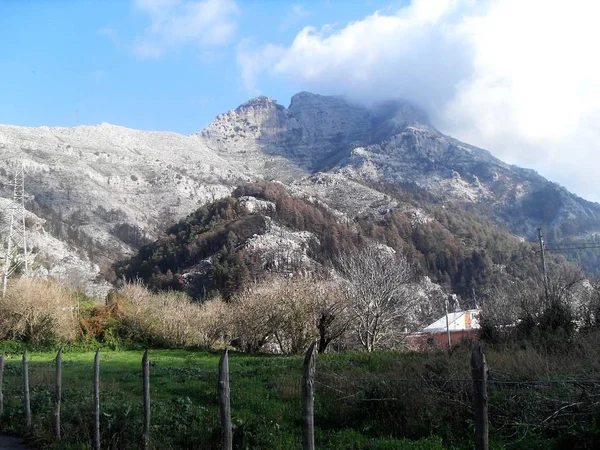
{"points": [[262, 229], [101, 192], [396, 144]]}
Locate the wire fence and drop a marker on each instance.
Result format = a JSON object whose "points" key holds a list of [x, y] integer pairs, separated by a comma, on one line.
{"points": [[538, 410], [266, 406]]}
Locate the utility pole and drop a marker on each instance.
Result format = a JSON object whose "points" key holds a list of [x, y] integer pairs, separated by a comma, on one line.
{"points": [[16, 240], [542, 252], [447, 322]]}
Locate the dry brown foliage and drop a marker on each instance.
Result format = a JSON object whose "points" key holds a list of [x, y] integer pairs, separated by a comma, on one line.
{"points": [[38, 311], [284, 314], [172, 318]]}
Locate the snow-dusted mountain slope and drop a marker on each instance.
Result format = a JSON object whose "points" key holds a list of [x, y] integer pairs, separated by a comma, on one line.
{"points": [[103, 190], [393, 143]]}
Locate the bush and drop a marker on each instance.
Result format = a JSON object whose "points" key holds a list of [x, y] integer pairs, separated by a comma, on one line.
{"points": [[284, 314], [38, 312], [168, 319]]}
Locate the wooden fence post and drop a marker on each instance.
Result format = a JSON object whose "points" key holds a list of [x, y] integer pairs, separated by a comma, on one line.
{"points": [[96, 411], [225, 403], [308, 399], [1, 378], [146, 386], [480, 402], [57, 394], [26, 402]]}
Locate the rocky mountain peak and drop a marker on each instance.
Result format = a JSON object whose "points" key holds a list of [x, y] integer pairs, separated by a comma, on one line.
{"points": [[313, 132], [259, 118], [331, 117], [392, 141], [261, 102], [333, 120]]}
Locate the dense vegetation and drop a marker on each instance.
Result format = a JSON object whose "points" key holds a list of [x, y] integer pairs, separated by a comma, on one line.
{"points": [[219, 231], [462, 251], [541, 207]]}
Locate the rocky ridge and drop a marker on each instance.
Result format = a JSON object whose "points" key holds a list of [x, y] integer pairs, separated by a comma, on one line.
{"points": [[100, 191], [392, 143]]}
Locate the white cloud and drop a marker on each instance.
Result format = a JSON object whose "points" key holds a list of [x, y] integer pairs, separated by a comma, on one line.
{"points": [[520, 78], [179, 23]]}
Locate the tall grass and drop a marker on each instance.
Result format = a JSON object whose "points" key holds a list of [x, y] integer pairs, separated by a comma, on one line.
{"points": [[38, 312], [170, 319]]}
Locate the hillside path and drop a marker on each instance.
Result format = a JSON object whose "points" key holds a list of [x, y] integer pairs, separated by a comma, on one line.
{"points": [[11, 443]]}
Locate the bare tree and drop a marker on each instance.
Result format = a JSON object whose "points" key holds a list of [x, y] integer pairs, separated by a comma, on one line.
{"points": [[563, 282], [504, 306], [589, 306], [333, 315], [294, 302], [378, 290], [523, 306], [252, 318]]}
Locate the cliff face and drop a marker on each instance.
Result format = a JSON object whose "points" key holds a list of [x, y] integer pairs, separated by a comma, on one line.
{"points": [[392, 143], [312, 134]]}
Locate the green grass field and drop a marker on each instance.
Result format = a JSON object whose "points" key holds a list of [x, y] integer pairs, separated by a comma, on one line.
{"points": [[265, 401], [382, 401]]}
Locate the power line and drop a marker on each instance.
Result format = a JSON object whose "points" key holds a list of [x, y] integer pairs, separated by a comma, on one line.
{"points": [[560, 247], [566, 246]]}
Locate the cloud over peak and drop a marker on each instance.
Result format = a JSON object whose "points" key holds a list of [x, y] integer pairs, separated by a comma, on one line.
{"points": [[519, 78], [381, 55]]}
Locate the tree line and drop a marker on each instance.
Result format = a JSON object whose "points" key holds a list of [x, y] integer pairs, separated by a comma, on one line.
{"points": [[205, 254]]}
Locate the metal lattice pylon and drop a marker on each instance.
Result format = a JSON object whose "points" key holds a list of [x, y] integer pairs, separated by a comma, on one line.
{"points": [[15, 245]]}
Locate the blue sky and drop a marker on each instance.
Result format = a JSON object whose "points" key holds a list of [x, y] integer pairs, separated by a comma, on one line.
{"points": [[64, 62], [515, 77]]}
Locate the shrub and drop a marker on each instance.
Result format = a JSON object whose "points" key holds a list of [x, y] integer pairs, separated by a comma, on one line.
{"points": [[100, 323], [38, 312], [281, 314], [214, 324], [169, 319]]}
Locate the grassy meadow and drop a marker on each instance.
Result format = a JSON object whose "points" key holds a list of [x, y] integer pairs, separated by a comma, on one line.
{"points": [[265, 401], [381, 401]]}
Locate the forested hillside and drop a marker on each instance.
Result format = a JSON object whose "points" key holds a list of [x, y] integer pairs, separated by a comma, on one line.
{"points": [[208, 252]]}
